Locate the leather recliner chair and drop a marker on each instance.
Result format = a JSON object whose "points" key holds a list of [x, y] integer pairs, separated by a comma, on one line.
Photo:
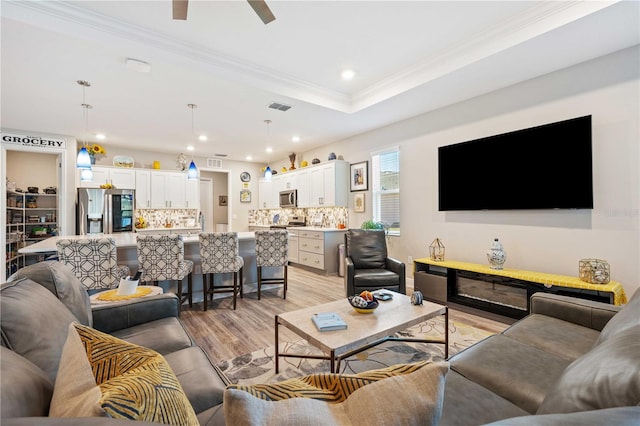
{"points": [[368, 266]]}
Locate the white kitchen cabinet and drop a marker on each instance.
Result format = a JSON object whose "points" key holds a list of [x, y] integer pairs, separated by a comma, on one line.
{"points": [[143, 189], [322, 185], [120, 178], [168, 190], [304, 188], [268, 193], [264, 194], [193, 194], [289, 180]]}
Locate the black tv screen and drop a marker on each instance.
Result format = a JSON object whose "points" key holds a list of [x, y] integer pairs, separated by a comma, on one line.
{"points": [[543, 167]]}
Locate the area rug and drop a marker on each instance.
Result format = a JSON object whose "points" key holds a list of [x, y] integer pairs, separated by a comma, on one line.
{"points": [[258, 366]]}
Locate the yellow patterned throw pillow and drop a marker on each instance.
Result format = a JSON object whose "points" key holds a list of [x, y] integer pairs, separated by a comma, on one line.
{"points": [[408, 394], [134, 382]]}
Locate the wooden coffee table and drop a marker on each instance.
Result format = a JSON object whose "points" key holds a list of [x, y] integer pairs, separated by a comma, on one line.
{"points": [[364, 330]]}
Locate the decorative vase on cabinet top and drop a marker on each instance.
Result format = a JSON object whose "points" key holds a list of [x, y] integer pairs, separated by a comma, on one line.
{"points": [[496, 256]]}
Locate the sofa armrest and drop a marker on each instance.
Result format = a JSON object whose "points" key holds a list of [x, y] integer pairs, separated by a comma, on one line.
{"points": [[399, 268], [110, 317], [349, 272], [586, 313]]}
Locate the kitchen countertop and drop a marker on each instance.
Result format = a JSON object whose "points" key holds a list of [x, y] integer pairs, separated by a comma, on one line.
{"points": [[173, 228], [124, 239], [303, 228]]}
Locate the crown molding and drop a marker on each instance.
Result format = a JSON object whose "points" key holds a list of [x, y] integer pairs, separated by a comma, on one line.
{"points": [[544, 17]]}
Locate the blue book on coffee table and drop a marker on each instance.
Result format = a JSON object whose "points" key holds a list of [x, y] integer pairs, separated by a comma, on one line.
{"points": [[328, 321]]}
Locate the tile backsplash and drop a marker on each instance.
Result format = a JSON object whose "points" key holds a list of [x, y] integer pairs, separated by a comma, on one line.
{"points": [[332, 216], [156, 218]]}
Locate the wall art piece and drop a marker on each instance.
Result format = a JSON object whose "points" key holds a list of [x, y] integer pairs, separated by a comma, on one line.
{"points": [[359, 176], [245, 196], [222, 200], [358, 203]]}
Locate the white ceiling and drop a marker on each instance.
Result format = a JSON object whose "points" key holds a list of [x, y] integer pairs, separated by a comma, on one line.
{"points": [[410, 57]]}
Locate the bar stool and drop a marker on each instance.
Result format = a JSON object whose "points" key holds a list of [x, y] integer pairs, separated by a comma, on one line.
{"points": [[272, 249], [93, 261], [218, 255], [161, 258]]}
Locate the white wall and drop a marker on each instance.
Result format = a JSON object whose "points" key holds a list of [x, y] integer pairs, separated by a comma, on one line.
{"points": [[546, 241]]}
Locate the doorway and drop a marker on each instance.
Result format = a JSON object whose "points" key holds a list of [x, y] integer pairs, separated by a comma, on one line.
{"points": [[214, 200], [27, 172]]}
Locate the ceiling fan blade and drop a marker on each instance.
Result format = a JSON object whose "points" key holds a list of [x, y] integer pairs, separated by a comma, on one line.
{"points": [[180, 9], [263, 11]]}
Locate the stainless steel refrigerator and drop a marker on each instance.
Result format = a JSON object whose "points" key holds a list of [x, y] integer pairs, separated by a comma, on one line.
{"points": [[105, 211]]}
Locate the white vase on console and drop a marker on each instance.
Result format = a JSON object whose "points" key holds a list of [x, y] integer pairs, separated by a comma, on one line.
{"points": [[496, 256]]}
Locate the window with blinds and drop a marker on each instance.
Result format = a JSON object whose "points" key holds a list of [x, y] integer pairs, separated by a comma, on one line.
{"points": [[385, 173]]}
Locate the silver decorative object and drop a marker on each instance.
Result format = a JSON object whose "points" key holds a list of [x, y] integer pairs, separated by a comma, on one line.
{"points": [[496, 256]]}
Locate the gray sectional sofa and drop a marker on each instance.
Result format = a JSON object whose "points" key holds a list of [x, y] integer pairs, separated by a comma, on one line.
{"points": [[571, 362], [36, 307]]}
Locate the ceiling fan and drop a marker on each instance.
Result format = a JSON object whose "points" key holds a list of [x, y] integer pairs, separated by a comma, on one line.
{"points": [[259, 6]]}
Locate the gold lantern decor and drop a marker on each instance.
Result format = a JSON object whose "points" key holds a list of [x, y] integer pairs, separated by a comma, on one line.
{"points": [[436, 250], [594, 271]]}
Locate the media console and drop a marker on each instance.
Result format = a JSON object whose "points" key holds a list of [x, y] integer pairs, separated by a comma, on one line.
{"points": [[503, 292]]}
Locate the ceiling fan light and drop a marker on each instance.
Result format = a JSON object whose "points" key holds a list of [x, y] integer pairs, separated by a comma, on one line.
{"points": [[192, 173], [83, 161]]}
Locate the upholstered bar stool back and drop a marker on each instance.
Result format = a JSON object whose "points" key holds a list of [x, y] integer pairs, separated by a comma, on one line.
{"points": [[272, 249], [161, 258], [219, 255], [93, 260]]}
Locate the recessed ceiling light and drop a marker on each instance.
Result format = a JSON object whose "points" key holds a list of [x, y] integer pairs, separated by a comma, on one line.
{"points": [[248, 158], [202, 138], [101, 136], [190, 148], [348, 74], [295, 139], [269, 150]]}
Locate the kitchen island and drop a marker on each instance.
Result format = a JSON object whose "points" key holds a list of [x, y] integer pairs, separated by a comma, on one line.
{"points": [[126, 245]]}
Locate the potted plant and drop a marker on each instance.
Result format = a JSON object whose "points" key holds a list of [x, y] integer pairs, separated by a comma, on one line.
{"points": [[372, 224]]}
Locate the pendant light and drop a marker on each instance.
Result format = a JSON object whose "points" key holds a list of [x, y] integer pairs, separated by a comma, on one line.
{"points": [[267, 172], [83, 161], [192, 173]]}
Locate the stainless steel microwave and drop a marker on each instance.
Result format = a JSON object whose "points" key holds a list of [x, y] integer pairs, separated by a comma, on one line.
{"points": [[289, 198]]}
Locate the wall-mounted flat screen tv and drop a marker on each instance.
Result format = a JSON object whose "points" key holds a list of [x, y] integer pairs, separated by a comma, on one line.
{"points": [[543, 167]]}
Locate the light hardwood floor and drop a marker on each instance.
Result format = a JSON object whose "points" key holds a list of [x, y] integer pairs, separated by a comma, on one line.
{"points": [[224, 333]]}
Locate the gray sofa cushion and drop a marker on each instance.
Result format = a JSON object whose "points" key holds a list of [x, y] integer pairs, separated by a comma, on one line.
{"points": [[26, 390], [60, 280], [198, 378], [623, 416], [564, 339], [623, 320], [510, 369], [465, 400], [34, 323], [164, 335], [607, 376]]}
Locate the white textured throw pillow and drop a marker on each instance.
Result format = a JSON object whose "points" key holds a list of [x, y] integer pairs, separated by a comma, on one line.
{"points": [[411, 399]]}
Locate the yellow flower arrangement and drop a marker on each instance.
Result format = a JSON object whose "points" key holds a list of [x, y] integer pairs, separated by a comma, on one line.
{"points": [[95, 149]]}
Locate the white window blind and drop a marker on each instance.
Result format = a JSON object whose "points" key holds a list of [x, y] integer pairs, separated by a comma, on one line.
{"points": [[385, 173]]}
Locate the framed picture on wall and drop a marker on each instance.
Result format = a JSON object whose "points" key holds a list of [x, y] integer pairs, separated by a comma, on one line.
{"points": [[245, 196], [359, 176], [358, 202], [222, 200]]}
